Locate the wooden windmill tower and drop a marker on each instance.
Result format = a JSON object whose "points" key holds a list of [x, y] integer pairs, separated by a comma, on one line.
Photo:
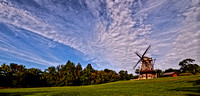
{"points": [[147, 71]]}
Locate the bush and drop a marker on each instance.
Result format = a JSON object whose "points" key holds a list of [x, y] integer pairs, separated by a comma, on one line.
{"points": [[197, 74], [185, 74]]}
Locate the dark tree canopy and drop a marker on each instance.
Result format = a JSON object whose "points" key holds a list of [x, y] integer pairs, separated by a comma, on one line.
{"points": [[187, 66], [15, 75]]}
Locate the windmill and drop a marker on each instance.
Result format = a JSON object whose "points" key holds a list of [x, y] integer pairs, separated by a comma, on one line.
{"points": [[147, 71]]}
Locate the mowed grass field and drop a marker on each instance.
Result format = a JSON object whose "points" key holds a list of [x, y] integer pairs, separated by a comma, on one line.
{"points": [[168, 86]]}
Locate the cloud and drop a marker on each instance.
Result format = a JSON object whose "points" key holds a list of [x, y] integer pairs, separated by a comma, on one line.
{"points": [[120, 38], [13, 47], [184, 40], [114, 41], [109, 32]]}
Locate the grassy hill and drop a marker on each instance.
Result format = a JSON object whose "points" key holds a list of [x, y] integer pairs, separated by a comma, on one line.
{"points": [[182, 85]]}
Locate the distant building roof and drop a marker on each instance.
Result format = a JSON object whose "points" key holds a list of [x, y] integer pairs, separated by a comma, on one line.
{"points": [[169, 73]]}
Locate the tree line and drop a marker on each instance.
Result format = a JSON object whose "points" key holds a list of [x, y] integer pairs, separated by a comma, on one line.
{"points": [[187, 67], [15, 75]]}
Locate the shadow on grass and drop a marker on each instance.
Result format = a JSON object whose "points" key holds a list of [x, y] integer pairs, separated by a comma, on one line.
{"points": [[197, 82], [68, 94], [20, 93], [194, 90]]}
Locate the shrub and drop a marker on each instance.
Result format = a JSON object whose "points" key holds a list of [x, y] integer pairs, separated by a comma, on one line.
{"points": [[185, 74]]}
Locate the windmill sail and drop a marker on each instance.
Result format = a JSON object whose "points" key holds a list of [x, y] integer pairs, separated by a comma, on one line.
{"points": [[147, 71]]}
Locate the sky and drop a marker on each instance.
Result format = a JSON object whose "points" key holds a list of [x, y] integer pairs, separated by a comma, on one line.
{"points": [[104, 33]]}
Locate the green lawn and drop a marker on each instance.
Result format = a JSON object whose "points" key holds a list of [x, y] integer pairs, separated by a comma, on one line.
{"points": [[182, 85]]}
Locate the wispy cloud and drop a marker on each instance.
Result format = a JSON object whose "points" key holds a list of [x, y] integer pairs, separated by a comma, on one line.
{"points": [[107, 32]]}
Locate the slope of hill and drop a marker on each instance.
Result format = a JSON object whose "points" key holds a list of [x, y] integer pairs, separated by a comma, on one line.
{"points": [[182, 85]]}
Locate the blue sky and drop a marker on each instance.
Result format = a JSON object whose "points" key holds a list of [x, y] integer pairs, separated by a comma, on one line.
{"points": [[105, 33]]}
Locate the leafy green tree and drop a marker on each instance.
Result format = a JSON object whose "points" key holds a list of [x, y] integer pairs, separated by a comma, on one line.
{"points": [[98, 77], [113, 76], [188, 67], [123, 75], [18, 72], [192, 68], [68, 73], [78, 71], [184, 64], [15, 75], [50, 76], [159, 72], [33, 78], [6, 76], [86, 75]]}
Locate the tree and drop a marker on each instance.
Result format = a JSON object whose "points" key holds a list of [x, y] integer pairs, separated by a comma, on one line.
{"points": [[86, 75], [33, 78], [192, 68], [78, 74], [188, 67], [123, 75], [159, 72], [184, 64], [50, 76], [111, 75], [18, 72], [68, 73], [6, 76], [15, 75]]}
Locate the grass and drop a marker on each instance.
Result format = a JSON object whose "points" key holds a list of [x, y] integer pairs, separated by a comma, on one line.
{"points": [[168, 86]]}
